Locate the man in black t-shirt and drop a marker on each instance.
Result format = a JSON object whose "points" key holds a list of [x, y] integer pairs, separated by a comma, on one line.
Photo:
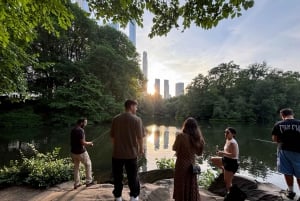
{"points": [[287, 134], [80, 154]]}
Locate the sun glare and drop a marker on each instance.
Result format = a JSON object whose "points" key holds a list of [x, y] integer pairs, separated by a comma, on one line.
{"points": [[151, 89]]}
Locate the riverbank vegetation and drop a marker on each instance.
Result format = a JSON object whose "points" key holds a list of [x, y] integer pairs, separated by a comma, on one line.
{"points": [[39, 170], [231, 93]]}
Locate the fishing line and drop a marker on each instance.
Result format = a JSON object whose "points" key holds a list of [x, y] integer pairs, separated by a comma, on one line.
{"points": [[100, 136], [267, 141]]}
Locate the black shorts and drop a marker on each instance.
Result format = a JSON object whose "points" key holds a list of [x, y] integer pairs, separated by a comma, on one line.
{"points": [[230, 164]]}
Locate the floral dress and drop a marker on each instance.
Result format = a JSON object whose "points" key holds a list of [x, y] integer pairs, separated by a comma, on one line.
{"points": [[185, 182]]}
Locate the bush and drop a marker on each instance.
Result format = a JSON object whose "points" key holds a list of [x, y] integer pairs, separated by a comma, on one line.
{"points": [[165, 163], [206, 178], [39, 170]]}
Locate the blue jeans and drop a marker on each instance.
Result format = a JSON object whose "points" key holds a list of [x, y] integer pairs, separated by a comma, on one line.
{"points": [[131, 168]]}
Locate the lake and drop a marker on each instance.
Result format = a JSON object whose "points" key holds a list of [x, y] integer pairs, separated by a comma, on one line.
{"points": [[257, 152]]}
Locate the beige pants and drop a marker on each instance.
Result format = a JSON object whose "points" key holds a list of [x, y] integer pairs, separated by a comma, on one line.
{"points": [[85, 159]]}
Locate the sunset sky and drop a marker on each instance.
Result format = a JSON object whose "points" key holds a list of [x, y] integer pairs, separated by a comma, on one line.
{"points": [[269, 31]]}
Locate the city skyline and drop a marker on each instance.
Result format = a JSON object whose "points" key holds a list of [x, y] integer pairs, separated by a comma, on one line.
{"points": [[269, 32]]}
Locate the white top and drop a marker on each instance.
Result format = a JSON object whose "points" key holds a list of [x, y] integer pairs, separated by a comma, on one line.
{"points": [[226, 147]]}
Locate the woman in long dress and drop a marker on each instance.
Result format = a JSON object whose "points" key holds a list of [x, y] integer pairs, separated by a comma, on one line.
{"points": [[188, 143]]}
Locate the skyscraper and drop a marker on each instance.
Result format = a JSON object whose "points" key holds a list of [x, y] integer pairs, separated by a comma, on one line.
{"points": [[145, 68], [132, 32], [157, 86], [145, 64], [179, 89], [166, 89]]}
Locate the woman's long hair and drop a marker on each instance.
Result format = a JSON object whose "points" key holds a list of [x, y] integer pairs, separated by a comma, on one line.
{"points": [[190, 127]]}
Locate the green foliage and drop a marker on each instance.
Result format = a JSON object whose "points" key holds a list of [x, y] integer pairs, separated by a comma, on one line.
{"points": [[230, 93], [168, 14], [206, 178], [38, 170], [165, 163], [16, 118], [19, 22]]}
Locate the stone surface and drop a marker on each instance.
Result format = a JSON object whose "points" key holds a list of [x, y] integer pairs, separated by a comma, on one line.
{"points": [[160, 190]]}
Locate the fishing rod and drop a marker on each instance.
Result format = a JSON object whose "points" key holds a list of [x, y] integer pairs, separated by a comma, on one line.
{"points": [[100, 136], [267, 141]]}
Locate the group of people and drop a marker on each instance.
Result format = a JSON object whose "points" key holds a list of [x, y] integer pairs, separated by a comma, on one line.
{"points": [[127, 134]]}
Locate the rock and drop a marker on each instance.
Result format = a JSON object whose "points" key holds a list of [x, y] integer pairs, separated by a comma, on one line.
{"points": [[160, 190], [256, 191]]}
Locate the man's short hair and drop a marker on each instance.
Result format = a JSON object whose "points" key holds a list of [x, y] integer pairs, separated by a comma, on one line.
{"points": [[286, 112], [81, 120], [129, 103]]}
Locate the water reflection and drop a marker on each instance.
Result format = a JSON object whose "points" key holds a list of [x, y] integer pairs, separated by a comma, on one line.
{"points": [[257, 158], [166, 138]]}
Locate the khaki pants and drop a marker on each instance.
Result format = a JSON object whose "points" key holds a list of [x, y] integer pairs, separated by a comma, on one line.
{"points": [[85, 159]]}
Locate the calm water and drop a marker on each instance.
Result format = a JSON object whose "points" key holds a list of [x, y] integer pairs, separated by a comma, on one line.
{"points": [[257, 153]]}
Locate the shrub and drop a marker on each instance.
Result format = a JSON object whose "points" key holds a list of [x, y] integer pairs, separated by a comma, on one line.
{"points": [[206, 178], [165, 163], [39, 170]]}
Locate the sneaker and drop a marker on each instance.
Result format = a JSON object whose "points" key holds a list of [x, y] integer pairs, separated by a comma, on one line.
{"points": [[119, 199], [90, 184], [290, 194], [76, 186], [134, 198]]}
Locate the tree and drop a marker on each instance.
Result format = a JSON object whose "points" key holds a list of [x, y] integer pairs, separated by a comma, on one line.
{"points": [[167, 14], [19, 22], [20, 18]]}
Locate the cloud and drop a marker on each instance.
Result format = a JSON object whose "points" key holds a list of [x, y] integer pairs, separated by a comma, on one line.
{"points": [[270, 31]]}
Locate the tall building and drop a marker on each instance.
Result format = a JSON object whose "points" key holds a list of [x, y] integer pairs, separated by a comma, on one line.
{"points": [[179, 89], [82, 4], [166, 89], [145, 68], [132, 32], [157, 86], [145, 64]]}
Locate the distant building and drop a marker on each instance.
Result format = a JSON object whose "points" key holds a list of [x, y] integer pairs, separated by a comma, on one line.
{"points": [[145, 64], [157, 86], [145, 68], [132, 32], [179, 89], [166, 89]]}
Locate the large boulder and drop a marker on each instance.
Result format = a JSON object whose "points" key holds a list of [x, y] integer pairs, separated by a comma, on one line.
{"points": [[255, 191]]}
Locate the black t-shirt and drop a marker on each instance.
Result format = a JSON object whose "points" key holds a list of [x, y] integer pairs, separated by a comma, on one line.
{"points": [[288, 134], [77, 134]]}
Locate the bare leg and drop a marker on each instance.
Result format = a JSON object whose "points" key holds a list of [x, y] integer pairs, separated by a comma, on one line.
{"points": [[298, 181], [217, 161], [289, 179], [228, 176]]}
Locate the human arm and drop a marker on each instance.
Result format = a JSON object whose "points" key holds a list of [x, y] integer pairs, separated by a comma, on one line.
{"points": [[86, 143], [140, 136], [275, 138], [141, 146], [275, 133]]}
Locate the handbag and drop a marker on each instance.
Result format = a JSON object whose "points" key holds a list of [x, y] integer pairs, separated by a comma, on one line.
{"points": [[196, 169]]}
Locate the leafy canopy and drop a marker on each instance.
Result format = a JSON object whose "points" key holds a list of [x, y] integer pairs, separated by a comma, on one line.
{"points": [[168, 14]]}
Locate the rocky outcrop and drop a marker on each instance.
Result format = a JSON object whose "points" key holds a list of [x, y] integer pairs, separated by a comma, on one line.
{"points": [[161, 189], [255, 191]]}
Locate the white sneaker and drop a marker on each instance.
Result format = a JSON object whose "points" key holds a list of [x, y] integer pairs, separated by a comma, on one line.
{"points": [[119, 199], [134, 198]]}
